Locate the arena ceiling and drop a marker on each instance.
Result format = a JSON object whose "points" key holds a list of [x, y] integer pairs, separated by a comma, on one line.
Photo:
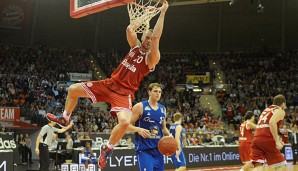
{"points": [[190, 2]]}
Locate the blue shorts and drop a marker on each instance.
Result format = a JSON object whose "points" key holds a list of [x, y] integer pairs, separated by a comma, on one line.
{"points": [[150, 160], [180, 161]]}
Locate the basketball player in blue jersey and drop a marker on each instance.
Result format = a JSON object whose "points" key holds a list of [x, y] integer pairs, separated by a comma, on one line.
{"points": [[176, 130], [149, 126]]}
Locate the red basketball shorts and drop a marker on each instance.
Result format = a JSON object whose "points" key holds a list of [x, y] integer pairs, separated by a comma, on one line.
{"points": [[264, 150], [244, 151], [104, 91]]}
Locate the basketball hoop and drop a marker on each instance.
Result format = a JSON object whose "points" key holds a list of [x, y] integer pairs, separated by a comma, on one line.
{"points": [[141, 12]]}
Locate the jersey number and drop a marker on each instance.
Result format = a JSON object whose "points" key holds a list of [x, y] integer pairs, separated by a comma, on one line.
{"points": [[139, 59], [242, 131], [264, 116]]}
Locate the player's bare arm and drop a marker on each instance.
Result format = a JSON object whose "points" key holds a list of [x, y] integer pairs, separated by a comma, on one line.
{"points": [[131, 36], [154, 55], [137, 110], [251, 125], [278, 115], [38, 139], [178, 131], [165, 130]]}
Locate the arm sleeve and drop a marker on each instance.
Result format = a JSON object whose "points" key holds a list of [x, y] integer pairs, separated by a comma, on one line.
{"points": [[56, 129]]}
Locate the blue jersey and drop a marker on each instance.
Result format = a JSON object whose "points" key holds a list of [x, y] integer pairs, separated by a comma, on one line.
{"points": [[173, 132], [151, 120]]}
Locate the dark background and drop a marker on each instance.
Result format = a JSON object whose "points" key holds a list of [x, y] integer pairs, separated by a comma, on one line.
{"points": [[213, 27]]}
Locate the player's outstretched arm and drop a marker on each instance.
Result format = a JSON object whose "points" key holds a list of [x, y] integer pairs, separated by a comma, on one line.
{"points": [[154, 54], [131, 36], [252, 125]]}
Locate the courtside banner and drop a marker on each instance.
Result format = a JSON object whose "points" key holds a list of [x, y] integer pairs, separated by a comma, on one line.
{"points": [[10, 113], [126, 160], [6, 160], [196, 78], [8, 149], [79, 76]]}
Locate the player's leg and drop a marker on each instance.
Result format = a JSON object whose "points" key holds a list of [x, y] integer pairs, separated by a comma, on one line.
{"points": [[246, 167], [257, 155], [74, 92], [244, 151], [180, 163], [117, 133], [121, 107], [145, 160], [158, 161], [258, 167], [279, 168], [182, 168], [120, 129]]}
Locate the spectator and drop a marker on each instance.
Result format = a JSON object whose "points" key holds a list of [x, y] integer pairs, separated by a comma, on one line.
{"points": [[28, 149]]}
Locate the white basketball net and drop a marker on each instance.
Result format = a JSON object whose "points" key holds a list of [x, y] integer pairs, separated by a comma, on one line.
{"points": [[140, 13]]}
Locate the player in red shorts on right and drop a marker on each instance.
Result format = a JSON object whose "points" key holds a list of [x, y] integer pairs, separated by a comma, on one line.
{"points": [[266, 144]]}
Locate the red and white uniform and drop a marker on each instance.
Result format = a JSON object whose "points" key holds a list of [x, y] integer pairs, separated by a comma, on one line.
{"points": [[245, 140], [120, 88], [263, 145]]}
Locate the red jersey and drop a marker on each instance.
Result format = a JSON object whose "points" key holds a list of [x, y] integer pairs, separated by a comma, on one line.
{"points": [[229, 111], [284, 136], [245, 133], [263, 129], [131, 71]]}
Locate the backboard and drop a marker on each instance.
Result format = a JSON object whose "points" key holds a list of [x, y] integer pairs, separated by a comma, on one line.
{"points": [[81, 8]]}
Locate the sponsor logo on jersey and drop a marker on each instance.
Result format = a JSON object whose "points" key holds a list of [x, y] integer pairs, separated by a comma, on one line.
{"points": [[128, 65], [131, 54], [263, 126], [147, 108], [148, 119]]}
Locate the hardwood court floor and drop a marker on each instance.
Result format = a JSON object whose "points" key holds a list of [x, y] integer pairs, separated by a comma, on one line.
{"points": [[289, 167]]}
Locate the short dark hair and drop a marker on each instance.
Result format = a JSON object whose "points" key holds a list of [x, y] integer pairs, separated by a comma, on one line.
{"points": [[248, 115], [279, 99]]}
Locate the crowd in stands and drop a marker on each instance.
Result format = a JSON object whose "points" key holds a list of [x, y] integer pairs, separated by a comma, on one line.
{"points": [[29, 79], [254, 79]]}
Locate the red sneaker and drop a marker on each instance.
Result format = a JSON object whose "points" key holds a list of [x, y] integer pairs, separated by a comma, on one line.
{"points": [[59, 119], [106, 153]]}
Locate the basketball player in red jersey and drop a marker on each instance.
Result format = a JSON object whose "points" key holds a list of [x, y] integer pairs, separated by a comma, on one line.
{"points": [[245, 139], [120, 88], [266, 144]]}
